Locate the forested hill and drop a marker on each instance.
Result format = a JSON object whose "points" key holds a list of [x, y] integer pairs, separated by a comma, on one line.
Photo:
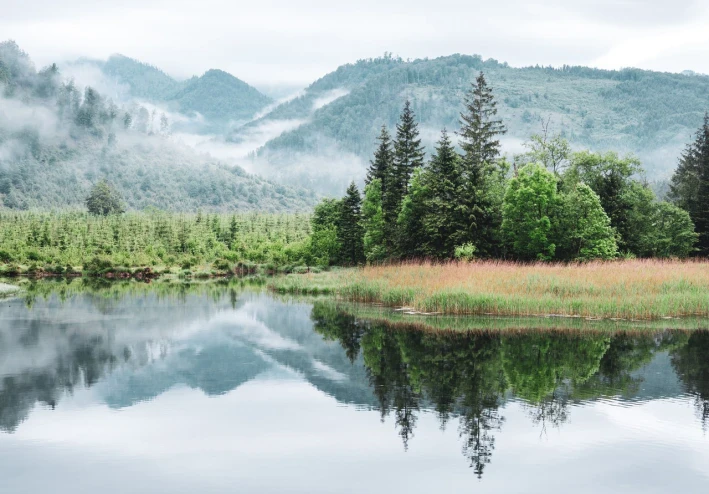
{"points": [[56, 141], [217, 96], [650, 114]]}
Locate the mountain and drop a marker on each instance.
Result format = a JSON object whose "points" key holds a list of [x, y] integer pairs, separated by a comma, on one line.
{"points": [[220, 97], [650, 114], [217, 97], [144, 81], [56, 141]]}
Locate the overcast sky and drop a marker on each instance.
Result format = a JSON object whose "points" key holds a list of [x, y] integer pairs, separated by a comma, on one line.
{"points": [[296, 41]]}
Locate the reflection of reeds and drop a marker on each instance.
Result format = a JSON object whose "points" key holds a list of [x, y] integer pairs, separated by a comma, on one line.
{"points": [[517, 326], [637, 289]]}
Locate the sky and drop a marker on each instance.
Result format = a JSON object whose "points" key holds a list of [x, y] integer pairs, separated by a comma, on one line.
{"points": [[293, 42]]}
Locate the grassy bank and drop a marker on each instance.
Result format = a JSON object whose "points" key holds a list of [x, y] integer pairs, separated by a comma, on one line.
{"points": [[634, 289]]}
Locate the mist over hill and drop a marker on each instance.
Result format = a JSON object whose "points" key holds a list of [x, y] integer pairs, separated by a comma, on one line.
{"points": [[650, 114], [56, 141], [214, 101], [319, 138]]}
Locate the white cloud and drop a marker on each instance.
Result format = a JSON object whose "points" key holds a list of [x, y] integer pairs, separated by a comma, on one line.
{"points": [[294, 42]]}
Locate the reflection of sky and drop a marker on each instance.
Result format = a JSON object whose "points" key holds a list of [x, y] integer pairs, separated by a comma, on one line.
{"points": [[280, 434], [252, 400]]}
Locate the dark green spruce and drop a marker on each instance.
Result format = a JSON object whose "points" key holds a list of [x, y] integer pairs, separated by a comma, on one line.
{"points": [[349, 227], [479, 140], [690, 185]]}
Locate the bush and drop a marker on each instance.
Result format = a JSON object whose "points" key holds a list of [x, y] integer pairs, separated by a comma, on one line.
{"points": [[5, 257], [465, 252]]}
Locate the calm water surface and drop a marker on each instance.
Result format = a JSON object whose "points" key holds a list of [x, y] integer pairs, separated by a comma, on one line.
{"points": [[222, 390]]}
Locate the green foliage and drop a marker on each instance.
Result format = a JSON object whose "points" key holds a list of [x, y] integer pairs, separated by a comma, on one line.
{"points": [[611, 177], [465, 252], [151, 239], [530, 211], [324, 248], [373, 222], [104, 200], [585, 231], [216, 95], [443, 220], [634, 111], [51, 166], [553, 151], [349, 228], [410, 223], [408, 155], [672, 233], [480, 130], [690, 185]]}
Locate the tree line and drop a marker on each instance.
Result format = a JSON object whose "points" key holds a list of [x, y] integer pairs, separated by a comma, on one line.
{"points": [[549, 203]]}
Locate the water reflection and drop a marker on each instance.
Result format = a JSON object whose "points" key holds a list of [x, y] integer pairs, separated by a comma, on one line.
{"points": [[128, 344], [471, 375]]}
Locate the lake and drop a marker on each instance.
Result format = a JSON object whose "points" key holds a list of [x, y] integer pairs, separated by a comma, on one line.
{"points": [[221, 389]]}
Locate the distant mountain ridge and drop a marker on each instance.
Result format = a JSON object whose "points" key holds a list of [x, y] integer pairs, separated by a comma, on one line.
{"points": [[56, 141], [650, 114], [216, 95]]}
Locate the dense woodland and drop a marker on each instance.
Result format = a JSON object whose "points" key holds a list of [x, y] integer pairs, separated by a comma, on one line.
{"points": [[56, 141], [548, 204], [649, 114]]}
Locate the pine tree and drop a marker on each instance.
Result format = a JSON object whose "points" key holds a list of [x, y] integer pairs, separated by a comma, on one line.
{"points": [[479, 127], [443, 221], [408, 151], [690, 185], [481, 149], [349, 228], [381, 166], [373, 222]]}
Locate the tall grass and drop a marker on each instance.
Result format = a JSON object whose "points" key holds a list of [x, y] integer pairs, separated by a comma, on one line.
{"points": [[636, 289]]}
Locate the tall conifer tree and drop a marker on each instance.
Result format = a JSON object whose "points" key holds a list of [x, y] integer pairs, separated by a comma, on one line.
{"points": [[479, 134], [349, 228], [383, 163], [479, 127], [690, 185], [443, 222], [408, 151], [382, 169]]}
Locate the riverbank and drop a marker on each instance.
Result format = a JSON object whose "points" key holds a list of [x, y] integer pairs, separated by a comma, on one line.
{"points": [[633, 289]]}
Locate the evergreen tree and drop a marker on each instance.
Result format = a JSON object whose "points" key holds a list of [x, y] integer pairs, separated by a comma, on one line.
{"points": [[479, 127], [408, 152], [373, 222], [383, 163], [690, 185], [411, 240], [349, 228], [382, 168], [481, 149], [444, 222]]}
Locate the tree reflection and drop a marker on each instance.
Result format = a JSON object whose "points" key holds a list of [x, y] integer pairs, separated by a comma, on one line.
{"points": [[470, 375], [691, 363]]}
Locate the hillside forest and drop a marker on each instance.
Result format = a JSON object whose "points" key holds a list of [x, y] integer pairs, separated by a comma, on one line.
{"points": [[549, 204]]}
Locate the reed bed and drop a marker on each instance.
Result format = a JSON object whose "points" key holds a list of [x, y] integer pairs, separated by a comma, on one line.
{"points": [[631, 289]]}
